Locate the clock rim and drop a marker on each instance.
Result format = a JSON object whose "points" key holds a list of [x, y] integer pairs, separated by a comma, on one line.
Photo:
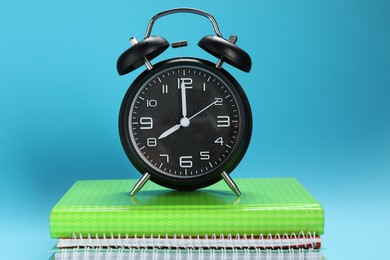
{"points": [[177, 182]]}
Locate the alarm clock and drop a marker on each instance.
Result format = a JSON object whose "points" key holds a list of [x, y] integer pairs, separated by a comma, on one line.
{"points": [[184, 123]]}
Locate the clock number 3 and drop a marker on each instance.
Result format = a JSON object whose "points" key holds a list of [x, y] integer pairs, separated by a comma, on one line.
{"points": [[223, 121]]}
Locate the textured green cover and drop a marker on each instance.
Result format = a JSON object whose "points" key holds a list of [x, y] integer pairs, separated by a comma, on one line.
{"points": [[267, 206]]}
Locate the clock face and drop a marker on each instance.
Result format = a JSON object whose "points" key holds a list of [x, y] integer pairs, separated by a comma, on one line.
{"points": [[184, 123]]}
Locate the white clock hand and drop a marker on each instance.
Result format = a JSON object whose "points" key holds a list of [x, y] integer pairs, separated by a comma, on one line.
{"points": [[196, 114], [184, 122], [183, 99], [169, 131]]}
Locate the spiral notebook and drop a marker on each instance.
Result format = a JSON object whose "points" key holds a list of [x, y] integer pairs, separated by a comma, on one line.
{"points": [[181, 254], [270, 214]]}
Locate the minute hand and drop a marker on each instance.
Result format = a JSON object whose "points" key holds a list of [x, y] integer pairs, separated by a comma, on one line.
{"points": [[196, 114], [184, 122]]}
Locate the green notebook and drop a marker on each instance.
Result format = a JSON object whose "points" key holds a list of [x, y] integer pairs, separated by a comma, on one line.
{"points": [[266, 206]]}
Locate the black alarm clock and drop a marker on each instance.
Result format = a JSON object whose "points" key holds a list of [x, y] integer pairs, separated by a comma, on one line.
{"points": [[184, 123]]}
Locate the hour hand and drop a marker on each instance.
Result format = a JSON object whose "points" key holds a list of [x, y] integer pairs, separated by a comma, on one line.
{"points": [[169, 131], [184, 122]]}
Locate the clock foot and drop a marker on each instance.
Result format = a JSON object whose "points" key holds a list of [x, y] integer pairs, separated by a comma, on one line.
{"points": [[138, 186], [232, 185]]}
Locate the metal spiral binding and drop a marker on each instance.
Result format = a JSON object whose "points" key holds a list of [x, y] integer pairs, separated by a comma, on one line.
{"points": [[213, 241]]}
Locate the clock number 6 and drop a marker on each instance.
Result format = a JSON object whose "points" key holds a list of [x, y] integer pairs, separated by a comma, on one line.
{"points": [[185, 161]]}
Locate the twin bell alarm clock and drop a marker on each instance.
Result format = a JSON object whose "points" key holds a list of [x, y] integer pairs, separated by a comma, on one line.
{"points": [[184, 123]]}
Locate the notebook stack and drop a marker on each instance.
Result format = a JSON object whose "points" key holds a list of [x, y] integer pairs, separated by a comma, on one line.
{"points": [[272, 219]]}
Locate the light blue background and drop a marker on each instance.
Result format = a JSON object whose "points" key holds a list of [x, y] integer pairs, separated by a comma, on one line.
{"points": [[319, 90]]}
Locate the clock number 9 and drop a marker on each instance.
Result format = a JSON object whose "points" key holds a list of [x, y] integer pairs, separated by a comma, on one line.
{"points": [[146, 122]]}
